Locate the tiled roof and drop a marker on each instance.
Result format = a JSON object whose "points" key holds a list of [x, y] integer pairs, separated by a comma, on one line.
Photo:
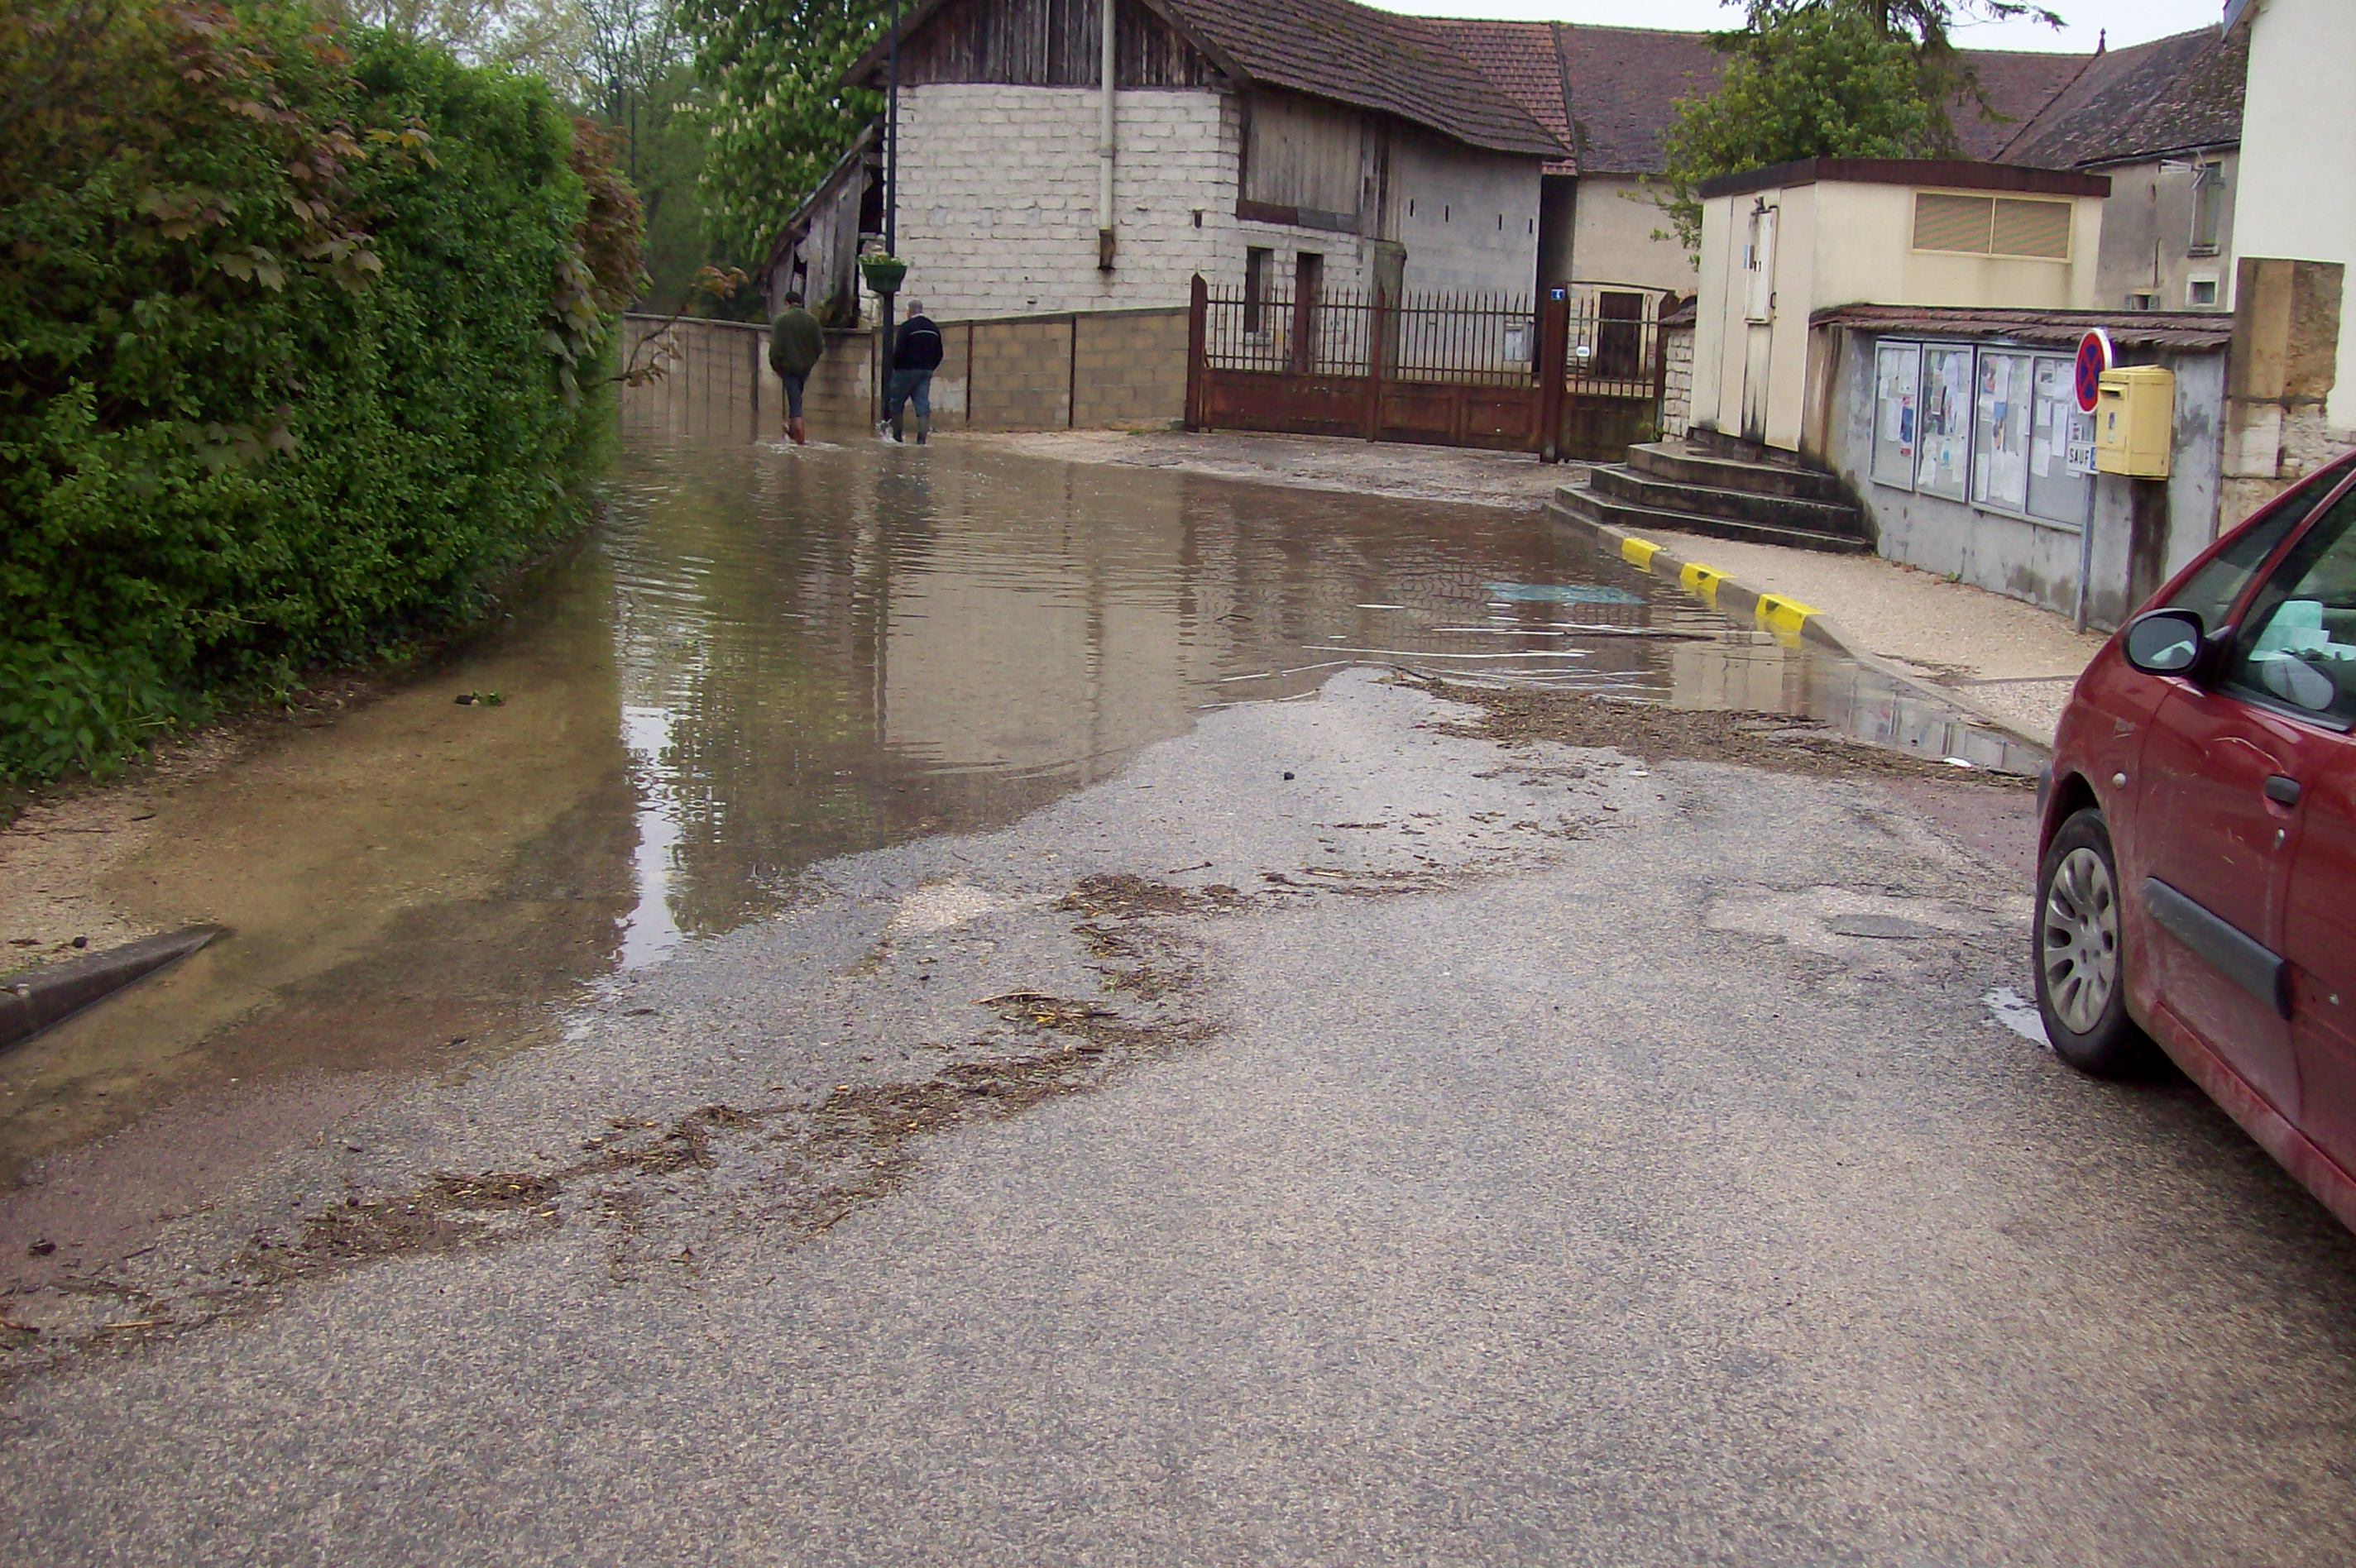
{"points": [[1624, 83], [2166, 96], [1353, 54], [1520, 58], [2017, 83], [2046, 328]]}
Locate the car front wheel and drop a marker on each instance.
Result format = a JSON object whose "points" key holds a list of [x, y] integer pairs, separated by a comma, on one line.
{"points": [[2080, 974]]}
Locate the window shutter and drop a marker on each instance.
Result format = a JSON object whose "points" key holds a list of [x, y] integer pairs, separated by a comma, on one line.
{"points": [[2039, 229], [1943, 222]]}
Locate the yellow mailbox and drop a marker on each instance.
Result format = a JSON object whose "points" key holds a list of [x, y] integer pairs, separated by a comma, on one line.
{"points": [[2134, 422]]}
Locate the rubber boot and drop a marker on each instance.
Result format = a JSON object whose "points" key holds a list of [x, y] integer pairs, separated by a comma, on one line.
{"points": [[924, 428]]}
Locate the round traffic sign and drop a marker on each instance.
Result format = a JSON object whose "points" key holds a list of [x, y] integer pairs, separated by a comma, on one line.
{"points": [[2094, 359]]}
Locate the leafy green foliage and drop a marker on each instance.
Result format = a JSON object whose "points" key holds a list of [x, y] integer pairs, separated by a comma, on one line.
{"points": [[1821, 78], [291, 340], [779, 115]]}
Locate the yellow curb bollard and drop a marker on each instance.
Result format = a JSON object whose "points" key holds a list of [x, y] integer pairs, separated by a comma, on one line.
{"points": [[1701, 582], [1783, 617], [1639, 552]]}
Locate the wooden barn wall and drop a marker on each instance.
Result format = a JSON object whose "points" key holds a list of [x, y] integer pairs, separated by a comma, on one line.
{"points": [[1307, 153], [1048, 43]]}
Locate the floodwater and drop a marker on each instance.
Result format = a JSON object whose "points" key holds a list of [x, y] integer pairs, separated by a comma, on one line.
{"points": [[769, 656]]}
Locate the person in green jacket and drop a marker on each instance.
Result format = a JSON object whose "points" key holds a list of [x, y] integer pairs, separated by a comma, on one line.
{"points": [[797, 344]]}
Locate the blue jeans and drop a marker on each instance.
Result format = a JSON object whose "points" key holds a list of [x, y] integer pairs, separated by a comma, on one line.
{"points": [[795, 386], [909, 387]]}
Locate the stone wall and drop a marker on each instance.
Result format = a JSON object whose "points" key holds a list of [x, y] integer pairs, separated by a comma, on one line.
{"points": [[2287, 337], [1676, 397]]}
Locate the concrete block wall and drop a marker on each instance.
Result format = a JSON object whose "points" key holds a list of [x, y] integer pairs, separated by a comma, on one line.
{"points": [[1131, 369], [1021, 378], [997, 210], [1468, 218]]}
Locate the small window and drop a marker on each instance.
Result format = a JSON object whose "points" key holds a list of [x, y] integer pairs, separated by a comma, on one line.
{"points": [[2143, 299], [2208, 208], [2201, 294], [1256, 261]]}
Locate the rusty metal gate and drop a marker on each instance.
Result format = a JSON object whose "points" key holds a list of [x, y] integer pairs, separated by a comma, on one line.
{"points": [[1578, 375]]}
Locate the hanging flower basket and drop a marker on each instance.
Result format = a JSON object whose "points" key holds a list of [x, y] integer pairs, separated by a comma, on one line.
{"points": [[883, 273]]}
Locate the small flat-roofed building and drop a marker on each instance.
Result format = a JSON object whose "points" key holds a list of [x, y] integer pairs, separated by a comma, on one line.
{"points": [[1780, 244]]}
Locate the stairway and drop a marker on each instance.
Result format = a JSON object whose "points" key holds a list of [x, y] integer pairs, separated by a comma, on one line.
{"points": [[1676, 486]]}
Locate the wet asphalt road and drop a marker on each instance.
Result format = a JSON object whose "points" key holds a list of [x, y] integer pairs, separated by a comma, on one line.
{"points": [[1618, 1166]]}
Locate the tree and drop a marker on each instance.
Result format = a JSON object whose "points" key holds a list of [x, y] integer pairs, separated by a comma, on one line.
{"points": [[1823, 79], [780, 114], [1929, 26]]}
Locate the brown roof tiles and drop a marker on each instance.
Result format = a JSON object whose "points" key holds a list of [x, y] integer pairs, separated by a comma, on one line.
{"points": [[1374, 59], [2170, 95]]}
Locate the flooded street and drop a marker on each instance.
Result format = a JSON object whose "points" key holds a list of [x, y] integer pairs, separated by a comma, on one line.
{"points": [[961, 1008], [766, 657]]}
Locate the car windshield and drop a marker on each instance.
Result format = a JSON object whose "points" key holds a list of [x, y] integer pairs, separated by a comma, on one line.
{"points": [[2298, 645], [2211, 591]]}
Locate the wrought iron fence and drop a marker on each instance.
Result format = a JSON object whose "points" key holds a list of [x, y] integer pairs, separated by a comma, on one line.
{"points": [[1488, 339], [1613, 346]]}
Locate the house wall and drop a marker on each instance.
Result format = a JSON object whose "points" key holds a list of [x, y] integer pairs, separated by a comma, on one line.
{"points": [[1613, 237], [998, 203], [2146, 244], [2298, 142], [1469, 218], [998, 191], [1677, 391], [2145, 530], [1837, 243]]}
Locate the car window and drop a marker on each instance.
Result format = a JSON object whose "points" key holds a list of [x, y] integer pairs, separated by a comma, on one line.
{"points": [[2297, 644], [2210, 592]]}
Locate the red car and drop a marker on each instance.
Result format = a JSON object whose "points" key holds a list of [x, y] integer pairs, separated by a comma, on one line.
{"points": [[2197, 853]]}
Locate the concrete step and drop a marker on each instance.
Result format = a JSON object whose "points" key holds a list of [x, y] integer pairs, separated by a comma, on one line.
{"points": [[1635, 488], [1592, 506], [1679, 465]]}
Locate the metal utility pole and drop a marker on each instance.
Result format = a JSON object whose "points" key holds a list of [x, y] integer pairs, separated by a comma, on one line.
{"points": [[891, 198]]}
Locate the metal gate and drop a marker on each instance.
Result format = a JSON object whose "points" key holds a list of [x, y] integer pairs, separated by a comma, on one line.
{"points": [[1580, 373]]}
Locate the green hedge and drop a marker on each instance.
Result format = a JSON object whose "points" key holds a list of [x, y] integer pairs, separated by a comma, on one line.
{"points": [[298, 330]]}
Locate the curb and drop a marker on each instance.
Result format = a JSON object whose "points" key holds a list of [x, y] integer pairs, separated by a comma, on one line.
{"points": [[34, 999], [1792, 621]]}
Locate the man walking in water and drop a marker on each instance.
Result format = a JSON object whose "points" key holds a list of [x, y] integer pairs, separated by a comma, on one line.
{"points": [[796, 346], [915, 355]]}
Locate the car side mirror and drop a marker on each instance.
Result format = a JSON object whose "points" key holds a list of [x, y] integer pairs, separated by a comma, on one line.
{"points": [[2167, 641]]}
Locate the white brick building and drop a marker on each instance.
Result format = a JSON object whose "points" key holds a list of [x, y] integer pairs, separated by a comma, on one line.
{"points": [[1287, 141]]}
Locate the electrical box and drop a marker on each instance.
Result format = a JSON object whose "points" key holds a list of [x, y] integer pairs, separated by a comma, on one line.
{"points": [[2134, 422]]}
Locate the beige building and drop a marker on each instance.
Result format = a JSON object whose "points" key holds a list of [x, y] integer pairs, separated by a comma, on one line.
{"points": [[2162, 122], [1782, 244], [2299, 207]]}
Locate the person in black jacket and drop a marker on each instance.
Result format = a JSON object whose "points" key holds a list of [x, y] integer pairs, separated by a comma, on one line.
{"points": [[915, 355]]}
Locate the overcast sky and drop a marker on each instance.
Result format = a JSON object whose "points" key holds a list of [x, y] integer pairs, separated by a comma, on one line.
{"points": [[2128, 21]]}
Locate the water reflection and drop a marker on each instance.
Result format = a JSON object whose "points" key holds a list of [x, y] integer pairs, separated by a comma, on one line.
{"points": [[769, 656]]}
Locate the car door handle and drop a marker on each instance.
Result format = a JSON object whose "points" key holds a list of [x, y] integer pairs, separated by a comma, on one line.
{"points": [[2283, 791]]}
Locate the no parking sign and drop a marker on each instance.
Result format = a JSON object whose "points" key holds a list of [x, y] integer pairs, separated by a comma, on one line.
{"points": [[2087, 384]]}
